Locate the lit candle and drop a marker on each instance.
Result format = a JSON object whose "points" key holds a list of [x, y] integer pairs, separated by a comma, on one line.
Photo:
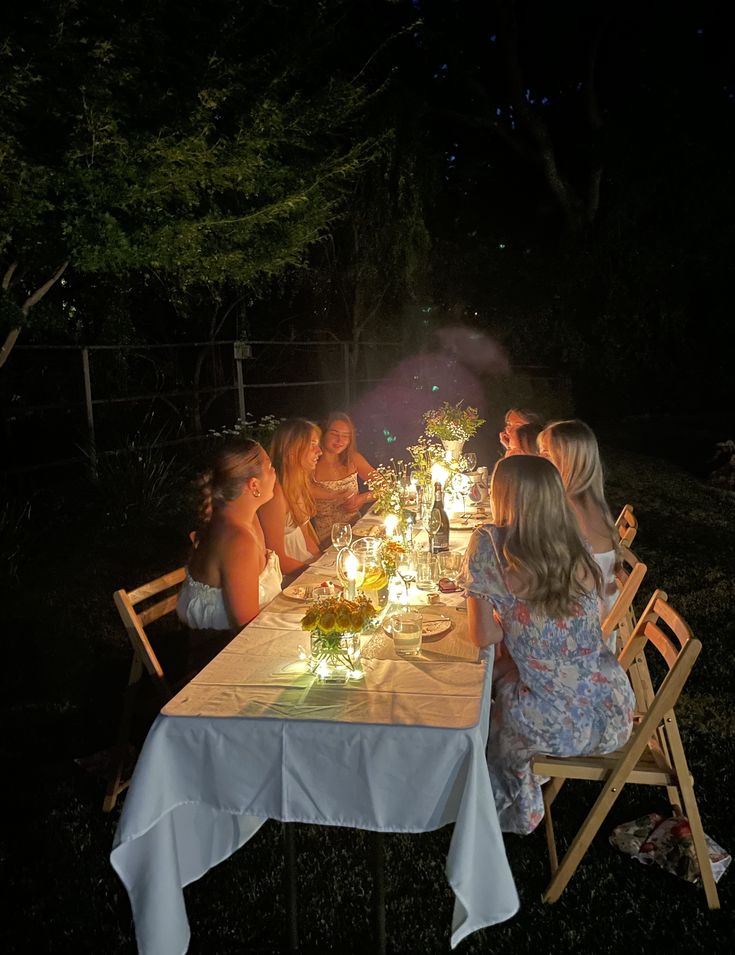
{"points": [[439, 473], [391, 522], [351, 567]]}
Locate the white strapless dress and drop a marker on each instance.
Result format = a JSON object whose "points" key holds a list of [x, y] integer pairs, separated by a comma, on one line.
{"points": [[294, 541], [202, 607]]}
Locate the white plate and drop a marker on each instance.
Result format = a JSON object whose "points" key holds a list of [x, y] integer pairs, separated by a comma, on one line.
{"points": [[432, 626], [299, 591]]}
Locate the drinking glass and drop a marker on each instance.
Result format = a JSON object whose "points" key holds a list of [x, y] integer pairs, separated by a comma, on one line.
{"points": [[450, 564], [341, 535], [470, 462], [425, 570], [406, 630]]}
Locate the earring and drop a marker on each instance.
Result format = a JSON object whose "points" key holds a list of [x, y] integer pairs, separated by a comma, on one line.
{"points": [[256, 492]]}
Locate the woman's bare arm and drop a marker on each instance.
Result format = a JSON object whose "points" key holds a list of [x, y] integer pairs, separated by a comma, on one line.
{"points": [[272, 517], [482, 627]]}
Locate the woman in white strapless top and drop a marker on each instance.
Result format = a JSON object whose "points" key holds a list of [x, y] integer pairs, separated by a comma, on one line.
{"points": [[231, 575], [572, 447], [285, 518]]}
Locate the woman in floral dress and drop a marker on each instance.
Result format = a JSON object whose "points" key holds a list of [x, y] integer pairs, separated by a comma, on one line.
{"points": [[532, 588], [335, 489]]}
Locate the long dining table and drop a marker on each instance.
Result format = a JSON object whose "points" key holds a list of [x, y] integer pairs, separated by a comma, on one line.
{"points": [[254, 736]]}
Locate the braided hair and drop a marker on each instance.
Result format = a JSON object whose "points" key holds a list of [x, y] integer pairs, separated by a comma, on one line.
{"points": [[231, 469]]}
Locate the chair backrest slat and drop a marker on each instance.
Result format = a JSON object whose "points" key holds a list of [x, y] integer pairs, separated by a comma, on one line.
{"points": [[158, 610], [627, 524], [154, 587], [629, 575]]}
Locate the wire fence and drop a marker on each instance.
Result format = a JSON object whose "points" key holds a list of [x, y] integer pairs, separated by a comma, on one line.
{"points": [[64, 406]]}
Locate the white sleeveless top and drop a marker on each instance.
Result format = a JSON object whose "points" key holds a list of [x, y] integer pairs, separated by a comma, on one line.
{"points": [[202, 607], [294, 541]]}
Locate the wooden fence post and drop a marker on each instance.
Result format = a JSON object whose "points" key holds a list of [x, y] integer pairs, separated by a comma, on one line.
{"points": [[90, 413]]}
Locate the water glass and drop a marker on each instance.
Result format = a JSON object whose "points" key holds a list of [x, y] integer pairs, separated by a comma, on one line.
{"points": [[450, 564], [341, 535], [406, 630], [426, 570]]}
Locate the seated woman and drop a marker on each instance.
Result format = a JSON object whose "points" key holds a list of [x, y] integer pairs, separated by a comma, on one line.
{"points": [[515, 418], [572, 447], [335, 489], [532, 584], [523, 440], [285, 518], [231, 575]]}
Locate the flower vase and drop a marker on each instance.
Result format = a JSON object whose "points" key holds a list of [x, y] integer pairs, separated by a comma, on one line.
{"points": [[335, 657], [453, 449]]}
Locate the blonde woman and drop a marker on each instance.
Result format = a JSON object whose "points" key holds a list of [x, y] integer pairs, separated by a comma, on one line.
{"points": [[285, 519], [336, 490], [231, 574], [531, 586], [572, 447]]}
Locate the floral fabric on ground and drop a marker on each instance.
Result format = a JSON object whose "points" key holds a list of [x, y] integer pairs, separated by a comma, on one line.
{"points": [[566, 696]]}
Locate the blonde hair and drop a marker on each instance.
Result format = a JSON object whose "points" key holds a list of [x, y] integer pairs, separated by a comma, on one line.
{"points": [[290, 441], [344, 457], [543, 543], [572, 447], [526, 437], [231, 469]]}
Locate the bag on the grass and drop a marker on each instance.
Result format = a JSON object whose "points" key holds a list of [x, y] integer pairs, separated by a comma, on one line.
{"points": [[668, 843]]}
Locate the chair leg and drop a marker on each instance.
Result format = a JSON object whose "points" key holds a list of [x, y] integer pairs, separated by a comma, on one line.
{"points": [[116, 784], [289, 885], [581, 842], [691, 810], [550, 792]]}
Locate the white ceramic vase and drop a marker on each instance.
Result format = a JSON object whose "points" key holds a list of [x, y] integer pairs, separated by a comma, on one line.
{"points": [[453, 449]]}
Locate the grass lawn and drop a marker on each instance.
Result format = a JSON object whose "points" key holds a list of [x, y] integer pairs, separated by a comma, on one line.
{"points": [[66, 661]]}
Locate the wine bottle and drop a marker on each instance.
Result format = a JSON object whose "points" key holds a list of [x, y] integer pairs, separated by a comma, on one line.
{"points": [[439, 523]]}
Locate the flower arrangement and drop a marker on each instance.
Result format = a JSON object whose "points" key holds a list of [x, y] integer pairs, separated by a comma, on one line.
{"points": [[390, 554], [385, 486], [425, 454], [452, 422], [334, 623]]}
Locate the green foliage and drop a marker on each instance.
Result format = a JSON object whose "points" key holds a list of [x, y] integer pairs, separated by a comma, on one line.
{"points": [[15, 536]]}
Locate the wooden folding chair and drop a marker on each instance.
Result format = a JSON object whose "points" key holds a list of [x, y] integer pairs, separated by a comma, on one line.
{"points": [[629, 574], [144, 661], [627, 525], [654, 755]]}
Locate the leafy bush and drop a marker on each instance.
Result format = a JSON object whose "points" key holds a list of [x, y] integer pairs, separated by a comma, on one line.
{"points": [[15, 519], [258, 429]]}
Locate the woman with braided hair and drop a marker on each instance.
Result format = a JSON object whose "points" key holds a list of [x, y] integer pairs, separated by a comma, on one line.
{"points": [[231, 574]]}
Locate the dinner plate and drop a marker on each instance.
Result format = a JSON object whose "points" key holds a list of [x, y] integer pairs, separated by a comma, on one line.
{"points": [[299, 591], [433, 626]]}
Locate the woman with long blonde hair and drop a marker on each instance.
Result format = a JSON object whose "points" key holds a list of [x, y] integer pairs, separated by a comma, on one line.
{"points": [[572, 447], [285, 519], [336, 490], [231, 574], [532, 587]]}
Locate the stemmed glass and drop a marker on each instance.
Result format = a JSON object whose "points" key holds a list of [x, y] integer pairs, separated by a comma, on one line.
{"points": [[470, 462], [341, 535], [432, 521], [405, 571], [462, 484]]}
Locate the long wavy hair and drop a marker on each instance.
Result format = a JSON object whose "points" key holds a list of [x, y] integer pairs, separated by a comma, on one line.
{"points": [[543, 544], [232, 467], [290, 440], [572, 447], [344, 457]]}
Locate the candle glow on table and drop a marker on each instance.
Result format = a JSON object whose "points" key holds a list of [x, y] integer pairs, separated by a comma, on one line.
{"points": [[439, 473], [391, 523], [351, 568]]}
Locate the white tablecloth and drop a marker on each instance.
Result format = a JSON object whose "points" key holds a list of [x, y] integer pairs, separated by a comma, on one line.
{"points": [[251, 738]]}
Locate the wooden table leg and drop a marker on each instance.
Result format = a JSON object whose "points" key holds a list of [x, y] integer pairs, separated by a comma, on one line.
{"points": [[378, 860], [289, 885]]}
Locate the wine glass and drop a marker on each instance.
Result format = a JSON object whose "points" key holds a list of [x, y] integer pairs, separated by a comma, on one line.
{"points": [[432, 521], [470, 462], [341, 535], [462, 484]]}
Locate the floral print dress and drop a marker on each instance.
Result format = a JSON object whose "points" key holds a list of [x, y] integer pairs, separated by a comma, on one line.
{"points": [[566, 696]]}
